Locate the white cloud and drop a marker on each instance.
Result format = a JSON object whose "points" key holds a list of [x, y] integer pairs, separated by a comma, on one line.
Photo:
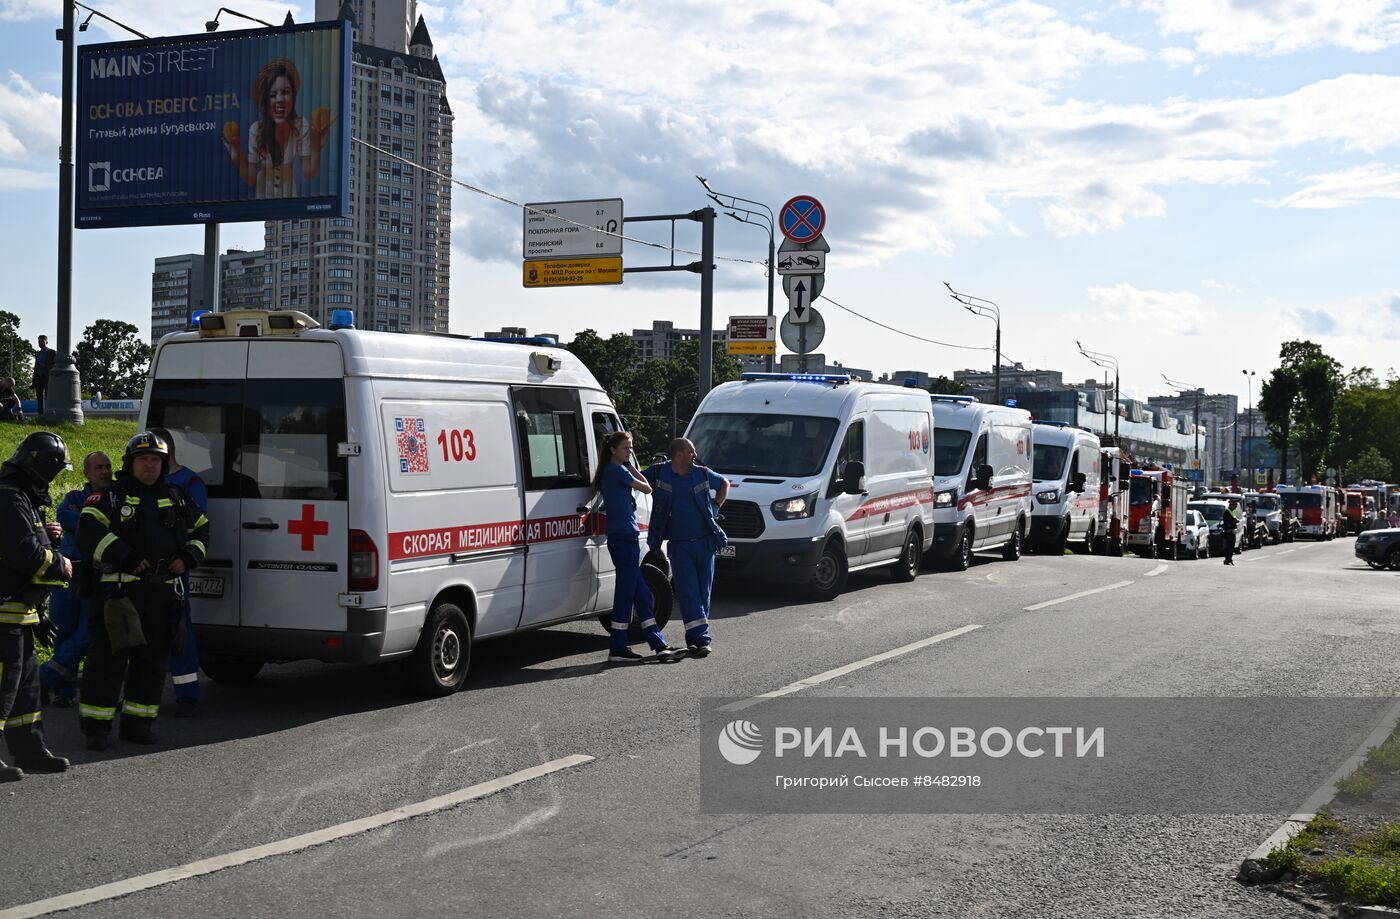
{"points": [[1345, 188], [1313, 321], [26, 179], [1227, 27], [1101, 205], [29, 121], [1177, 56], [1179, 310]]}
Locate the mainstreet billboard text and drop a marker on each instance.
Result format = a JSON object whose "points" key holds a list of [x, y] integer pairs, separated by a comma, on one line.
{"points": [[208, 129]]}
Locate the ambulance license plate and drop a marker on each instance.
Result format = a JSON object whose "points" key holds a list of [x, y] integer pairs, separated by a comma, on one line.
{"points": [[726, 552], [208, 586]]}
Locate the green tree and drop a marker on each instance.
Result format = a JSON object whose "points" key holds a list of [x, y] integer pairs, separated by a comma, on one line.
{"points": [[610, 359], [16, 355], [946, 386], [1299, 403], [113, 359], [1368, 417], [1369, 465]]}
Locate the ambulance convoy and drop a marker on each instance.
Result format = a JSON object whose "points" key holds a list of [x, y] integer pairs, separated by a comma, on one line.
{"points": [[380, 497]]}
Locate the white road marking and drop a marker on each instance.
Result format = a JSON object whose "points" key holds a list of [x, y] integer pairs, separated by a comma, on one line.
{"points": [[473, 745], [1160, 569], [1075, 596], [287, 846], [840, 671]]}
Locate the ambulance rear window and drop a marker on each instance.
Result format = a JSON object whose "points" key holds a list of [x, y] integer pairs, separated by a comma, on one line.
{"points": [[273, 439]]}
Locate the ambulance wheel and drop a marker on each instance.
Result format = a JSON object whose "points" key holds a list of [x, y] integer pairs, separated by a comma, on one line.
{"points": [[229, 669], [961, 560], [829, 578], [438, 666], [1089, 540], [1061, 542], [1012, 550], [907, 568]]}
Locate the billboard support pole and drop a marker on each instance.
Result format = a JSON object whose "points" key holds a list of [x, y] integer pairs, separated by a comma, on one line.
{"points": [[212, 281], [64, 401]]}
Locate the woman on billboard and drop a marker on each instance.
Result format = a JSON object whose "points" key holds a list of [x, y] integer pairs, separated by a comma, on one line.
{"points": [[280, 136]]}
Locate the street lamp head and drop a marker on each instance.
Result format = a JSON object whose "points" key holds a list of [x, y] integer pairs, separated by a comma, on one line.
{"points": [[82, 27], [211, 25], [706, 183]]}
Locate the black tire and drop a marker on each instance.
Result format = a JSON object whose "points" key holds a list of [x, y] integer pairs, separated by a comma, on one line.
{"points": [[663, 601], [911, 557], [1115, 547], [1089, 540], [438, 665], [1379, 566], [1150, 550], [1012, 550], [961, 560], [1171, 553], [229, 669], [830, 577], [1061, 542], [1392, 559]]}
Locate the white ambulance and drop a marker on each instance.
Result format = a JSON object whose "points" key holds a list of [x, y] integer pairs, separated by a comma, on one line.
{"points": [[1065, 472], [826, 476], [982, 473], [378, 496]]}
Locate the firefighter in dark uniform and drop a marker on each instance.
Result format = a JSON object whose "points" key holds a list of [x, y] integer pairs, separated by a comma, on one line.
{"points": [[141, 535], [30, 566]]}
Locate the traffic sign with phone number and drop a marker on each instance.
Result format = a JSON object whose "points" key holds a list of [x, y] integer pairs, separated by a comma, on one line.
{"points": [[802, 219]]}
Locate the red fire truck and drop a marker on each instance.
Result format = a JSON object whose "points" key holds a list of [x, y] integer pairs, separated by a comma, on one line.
{"points": [[1155, 505], [1313, 506], [1112, 522]]}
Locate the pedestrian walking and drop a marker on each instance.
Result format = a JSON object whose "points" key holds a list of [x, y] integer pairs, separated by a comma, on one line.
{"points": [[1229, 525], [29, 567], [43, 363], [70, 607], [685, 515], [184, 657], [616, 481], [142, 534]]}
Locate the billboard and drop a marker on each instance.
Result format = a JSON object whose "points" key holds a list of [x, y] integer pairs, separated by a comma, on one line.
{"points": [[1258, 453], [247, 126]]}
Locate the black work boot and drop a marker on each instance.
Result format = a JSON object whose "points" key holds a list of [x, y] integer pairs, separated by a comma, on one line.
{"points": [[32, 755], [138, 730], [10, 773]]}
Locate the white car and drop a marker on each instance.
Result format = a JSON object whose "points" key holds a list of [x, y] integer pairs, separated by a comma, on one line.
{"points": [[1195, 536]]}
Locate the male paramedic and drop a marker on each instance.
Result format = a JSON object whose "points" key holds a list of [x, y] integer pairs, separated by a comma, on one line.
{"points": [[685, 515]]}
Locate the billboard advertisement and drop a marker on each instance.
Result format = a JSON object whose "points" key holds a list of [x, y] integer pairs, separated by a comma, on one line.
{"points": [[1259, 453], [247, 126]]}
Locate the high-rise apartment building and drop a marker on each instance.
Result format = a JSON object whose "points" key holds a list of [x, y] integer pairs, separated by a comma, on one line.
{"points": [[177, 287], [388, 260]]}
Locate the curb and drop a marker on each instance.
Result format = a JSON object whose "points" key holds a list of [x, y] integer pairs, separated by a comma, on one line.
{"points": [[1252, 870]]}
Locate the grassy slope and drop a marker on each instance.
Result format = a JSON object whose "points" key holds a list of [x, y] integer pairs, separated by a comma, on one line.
{"points": [[105, 434]]}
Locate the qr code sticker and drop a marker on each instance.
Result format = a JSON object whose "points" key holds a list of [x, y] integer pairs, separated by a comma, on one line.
{"points": [[413, 445]]}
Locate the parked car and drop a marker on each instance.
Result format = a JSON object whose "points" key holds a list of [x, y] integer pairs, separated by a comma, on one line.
{"points": [[1195, 536], [1214, 512], [1379, 548]]}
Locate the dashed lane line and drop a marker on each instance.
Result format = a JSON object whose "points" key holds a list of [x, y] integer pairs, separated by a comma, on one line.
{"points": [[1160, 569], [1075, 596], [842, 671], [290, 845]]}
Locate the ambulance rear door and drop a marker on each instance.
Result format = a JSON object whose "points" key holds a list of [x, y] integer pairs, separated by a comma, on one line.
{"points": [[561, 580], [294, 485]]}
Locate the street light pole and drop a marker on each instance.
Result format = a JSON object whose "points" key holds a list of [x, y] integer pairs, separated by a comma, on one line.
{"points": [[979, 306], [1107, 362], [1196, 420], [763, 220], [64, 402]]}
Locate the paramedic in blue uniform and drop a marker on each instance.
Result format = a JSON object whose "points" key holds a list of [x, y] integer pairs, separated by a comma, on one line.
{"points": [[685, 515], [184, 658], [616, 482], [68, 610]]}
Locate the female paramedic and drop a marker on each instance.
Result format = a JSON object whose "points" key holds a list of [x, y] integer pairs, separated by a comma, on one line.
{"points": [[616, 481]]}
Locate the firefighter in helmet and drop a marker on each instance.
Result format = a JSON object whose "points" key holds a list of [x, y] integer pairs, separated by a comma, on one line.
{"points": [[30, 566], [142, 534]]}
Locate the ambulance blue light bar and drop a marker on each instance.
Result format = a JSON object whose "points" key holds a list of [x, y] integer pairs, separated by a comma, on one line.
{"points": [[539, 341], [1053, 424], [196, 316], [342, 319], [836, 379], [938, 397]]}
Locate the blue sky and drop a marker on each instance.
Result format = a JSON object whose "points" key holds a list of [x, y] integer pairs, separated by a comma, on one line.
{"points": [[1181, 184]]}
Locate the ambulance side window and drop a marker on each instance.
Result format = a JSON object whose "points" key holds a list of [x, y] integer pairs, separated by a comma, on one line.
{"points": [[852, 449], [604, 423], [553, 442], [979, 458]]}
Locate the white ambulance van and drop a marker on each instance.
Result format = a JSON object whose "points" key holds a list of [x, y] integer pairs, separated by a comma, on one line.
{"points": [[826, 476], [378, 496], [1065, 475], [982, 478]]}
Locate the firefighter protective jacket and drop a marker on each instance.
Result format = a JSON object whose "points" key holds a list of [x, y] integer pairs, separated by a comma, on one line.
{"points": [[132, 522], [29, 565]]}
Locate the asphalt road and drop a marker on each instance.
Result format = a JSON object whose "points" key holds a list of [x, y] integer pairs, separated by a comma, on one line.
{"points": [[309, 746]]}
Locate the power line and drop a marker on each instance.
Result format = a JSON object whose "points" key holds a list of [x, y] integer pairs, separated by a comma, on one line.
{"points": [[930, 341]]}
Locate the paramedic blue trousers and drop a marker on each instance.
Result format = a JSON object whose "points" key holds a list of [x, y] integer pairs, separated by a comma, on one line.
{"points": [[630, 592], [184, 657], [142, 668], [693, 572], [69, 613]]}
